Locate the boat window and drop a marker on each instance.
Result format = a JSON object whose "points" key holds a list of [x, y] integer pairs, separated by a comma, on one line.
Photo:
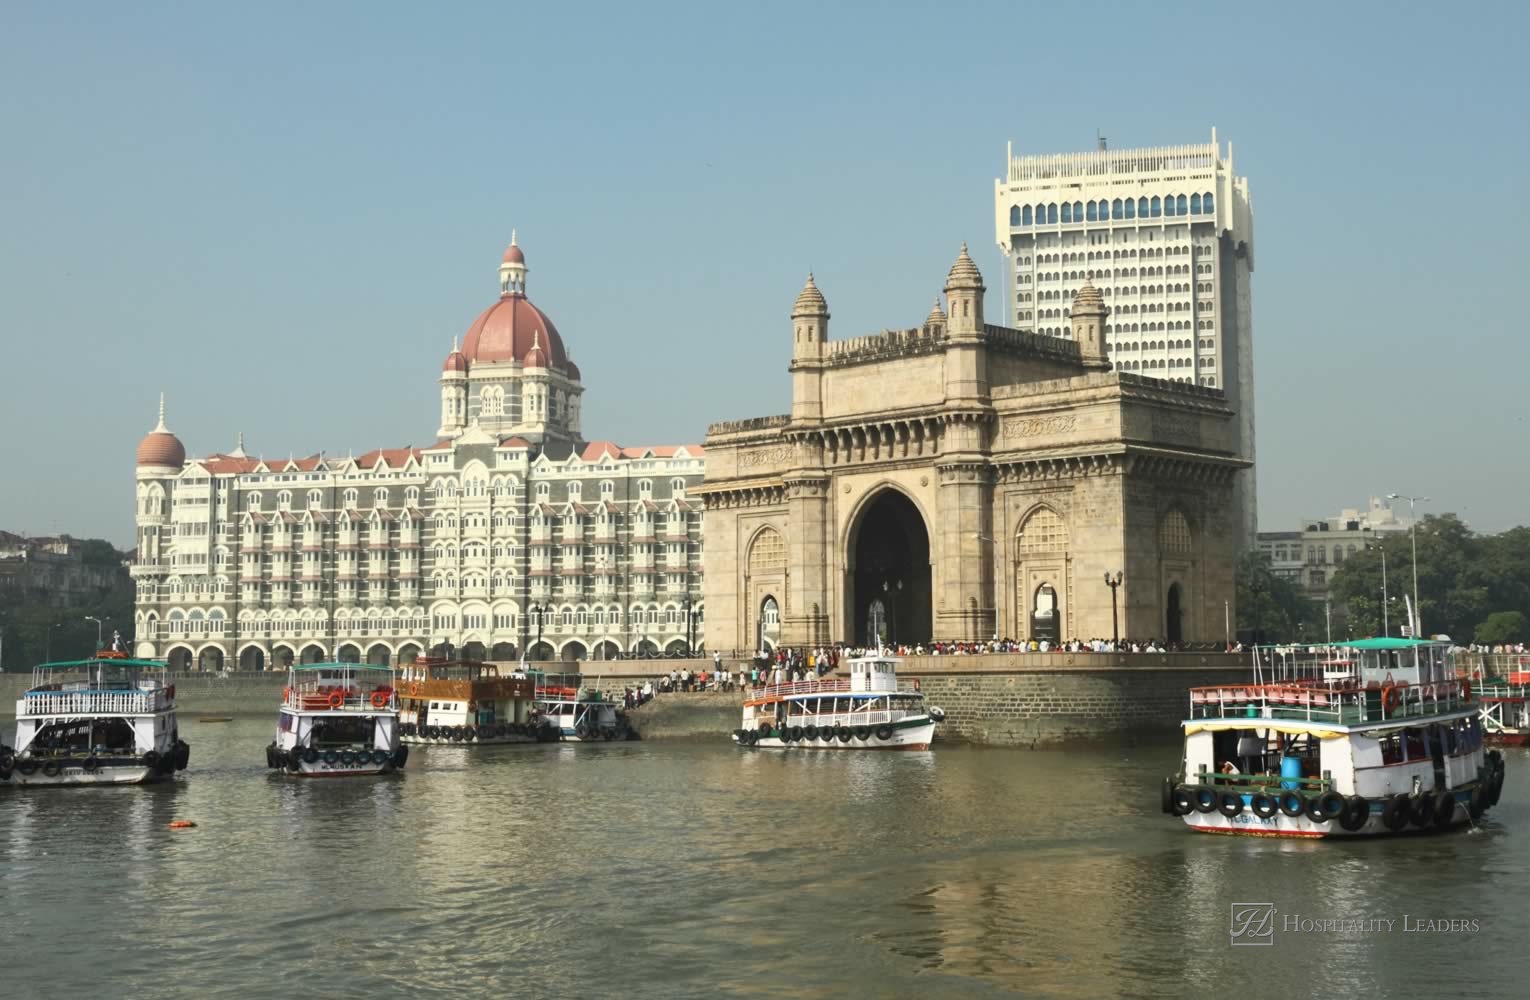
{"points": [[435, 705], [1391, 747]]}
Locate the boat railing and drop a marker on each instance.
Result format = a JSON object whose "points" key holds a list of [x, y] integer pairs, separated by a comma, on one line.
{"points": [[1501, 690], [827, 686], [1262, 782], [1340, 704], [851, 719], [339, 698], [98, 702]]}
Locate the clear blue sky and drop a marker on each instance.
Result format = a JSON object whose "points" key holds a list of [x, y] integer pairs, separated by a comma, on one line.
{"points": [[282, 214]]}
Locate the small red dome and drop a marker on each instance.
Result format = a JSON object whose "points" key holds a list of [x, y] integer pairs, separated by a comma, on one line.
{"points": [[513, 255], [161, 448], [536, 358], [572, 370], [455, 362]]}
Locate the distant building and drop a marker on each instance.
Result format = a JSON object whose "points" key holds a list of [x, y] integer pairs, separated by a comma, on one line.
{"points": [[1310, 555], [51, 570], [1167, 236], [509, 530]]}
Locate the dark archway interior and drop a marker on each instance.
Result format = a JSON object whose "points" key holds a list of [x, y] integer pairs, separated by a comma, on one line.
{"points": [[1171, 626], [891, 547]]}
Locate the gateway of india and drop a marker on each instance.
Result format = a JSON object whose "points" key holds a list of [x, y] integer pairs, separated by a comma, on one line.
{"points": [[965, 481], [510, 532]]}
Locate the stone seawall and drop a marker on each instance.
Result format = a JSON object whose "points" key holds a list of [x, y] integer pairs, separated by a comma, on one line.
{"points": [[689, 716]]}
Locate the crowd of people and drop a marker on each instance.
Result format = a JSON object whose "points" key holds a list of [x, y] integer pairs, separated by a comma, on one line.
{"points": [[1500, 648]]}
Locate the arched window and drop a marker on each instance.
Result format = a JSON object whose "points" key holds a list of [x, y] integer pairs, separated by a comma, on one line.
{"points": [[1052, 213], [1168, 205], [1115, 209], [315, 498], [1025, 216], [1174, 533], [1067, 212], [1206, 203], [1092, 213], [1014, 215], [1195, 204], [1043, 531], [1078, 211], [1130, 211], [1143, 207], [1179, 205], [1156, 207]]}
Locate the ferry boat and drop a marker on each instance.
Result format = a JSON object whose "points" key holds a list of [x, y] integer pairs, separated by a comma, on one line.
{"points": [[337, 720], [580, 714], [109, 720], [467, 702], [1505, 706], [1364, 738], [865, 711]]}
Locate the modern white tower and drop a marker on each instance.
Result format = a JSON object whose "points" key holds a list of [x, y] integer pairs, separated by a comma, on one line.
{"points": [[1167, 236]]}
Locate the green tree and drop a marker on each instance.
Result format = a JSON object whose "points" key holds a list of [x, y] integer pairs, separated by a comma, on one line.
{"points": [[1271, 608], [1501, 626]]}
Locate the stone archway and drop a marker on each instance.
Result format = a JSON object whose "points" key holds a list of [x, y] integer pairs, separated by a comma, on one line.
{"points": [[282, 657], [768, 625], [379, 655], [179, 659], [1173, 615], [210, 658], [541, 651], [889, 560], [574, 651], [474, 651], [503, 651], [252, 658], [312, 654], [408, 653], [348, 653], [607, 650]]}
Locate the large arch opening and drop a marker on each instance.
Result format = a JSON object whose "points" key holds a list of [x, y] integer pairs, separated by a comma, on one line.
{"points": [[768, 628], [281, 657], [211, 658], [408, 653], [607, 650], [889, 562], [378, 655], [503, 651], [313, 654], [349, 653], [179, 659], [1173, 615], [541, 651], [252, 658], [474, 651]]}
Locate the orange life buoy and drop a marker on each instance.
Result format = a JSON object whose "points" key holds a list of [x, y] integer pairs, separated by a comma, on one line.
{"points": [[336, 699], [286, 694], [414, 688], [380, 699], [1389, 699]]}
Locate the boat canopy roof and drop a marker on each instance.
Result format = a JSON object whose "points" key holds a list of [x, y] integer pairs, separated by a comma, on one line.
{"points": [[341, 666], [102, 661], [1384, 642]]}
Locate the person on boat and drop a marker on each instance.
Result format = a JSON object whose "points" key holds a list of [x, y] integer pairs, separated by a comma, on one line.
{"points": [[1228, 767]]}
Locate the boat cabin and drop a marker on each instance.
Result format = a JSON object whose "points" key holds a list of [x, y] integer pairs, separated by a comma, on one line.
{"points": [[878, 674]]}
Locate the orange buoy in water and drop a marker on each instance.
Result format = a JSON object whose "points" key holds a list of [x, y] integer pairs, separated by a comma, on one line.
{"points": [[181, 824]]}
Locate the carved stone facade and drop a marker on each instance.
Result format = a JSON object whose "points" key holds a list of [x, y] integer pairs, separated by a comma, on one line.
{"points": [[960, 480]]}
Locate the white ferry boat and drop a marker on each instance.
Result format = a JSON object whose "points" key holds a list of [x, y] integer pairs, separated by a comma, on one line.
{"points": [[579, 714], [337, 720], [866, 711], [469, 702], [1347, 739], [109, 720], [1506, 705]]}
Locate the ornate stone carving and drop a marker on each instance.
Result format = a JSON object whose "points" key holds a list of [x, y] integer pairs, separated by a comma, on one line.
{"points": [[1029, 427], [1175, 427], [750, 458]]}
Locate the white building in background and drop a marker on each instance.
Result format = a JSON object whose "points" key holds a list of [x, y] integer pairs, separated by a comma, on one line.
{"points": [[1166, 234], [509, 529], [1310, 555]]}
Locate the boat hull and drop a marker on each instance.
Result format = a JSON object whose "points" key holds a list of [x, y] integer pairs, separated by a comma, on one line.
{"points": [[1249, 824], [1507, 737], [129, 774], [905, 736], [322, 770]]}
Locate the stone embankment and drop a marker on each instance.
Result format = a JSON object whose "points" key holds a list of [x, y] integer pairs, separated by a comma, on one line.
{"points": [[681, 715]]}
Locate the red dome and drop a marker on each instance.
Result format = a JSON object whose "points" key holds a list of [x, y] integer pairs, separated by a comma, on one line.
{"points": [[161, 448], [572, 370], [513, 255], [536, 358], [507, 330], [455, 362]]}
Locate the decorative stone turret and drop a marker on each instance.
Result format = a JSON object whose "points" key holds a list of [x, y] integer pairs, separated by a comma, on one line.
{"points": [[454, 376], [935, 322], [964, 297], [810, 324], [512, 270], [1088, 317]]}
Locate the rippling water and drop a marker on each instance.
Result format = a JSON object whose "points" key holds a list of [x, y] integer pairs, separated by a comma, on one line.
{"points": [[650, 869]]}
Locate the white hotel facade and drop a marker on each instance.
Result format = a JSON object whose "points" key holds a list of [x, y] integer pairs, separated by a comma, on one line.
{"points": [[1166, 234], [511, 532]]}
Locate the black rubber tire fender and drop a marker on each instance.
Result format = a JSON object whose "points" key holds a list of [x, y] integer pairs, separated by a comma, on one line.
{"points": [[1357, 812], [1396, 813], [842, 734], [52, 768], [1444, 810], [1292, 803], [1421, 810], [1184, 801], [810, 732], [884, 733], [797, 733], [862, 732], [310, 755], [1263, 805], [1331, 804], [1230, 804], [294, 760], [1206, 799]]}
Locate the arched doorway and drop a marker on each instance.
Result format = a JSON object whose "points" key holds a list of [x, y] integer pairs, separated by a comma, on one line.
{"points": [[281, 657], [378, 655], [1173, 631], [503, 651], [676, 647], [211, 658], [442, 650], [179, 659], [474, 651], [252, 658], [349, 653], [768, 629], [647, 648], [312, 654], [890, 561], [608, 650], [541, 651], [574, 651], [408, 653], [1045, 621]]}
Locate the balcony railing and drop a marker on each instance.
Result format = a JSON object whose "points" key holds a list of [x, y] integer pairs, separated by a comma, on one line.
{"points": [[1342, 705], [97, 702]]}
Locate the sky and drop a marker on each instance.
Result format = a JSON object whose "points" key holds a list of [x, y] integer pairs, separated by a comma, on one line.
{"points": [[280, 215]]}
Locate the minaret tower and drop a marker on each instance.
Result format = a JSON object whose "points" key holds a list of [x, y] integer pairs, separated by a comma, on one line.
{"points": [[161, 456], [512, 270], [454, 377], [1088, 318], [810, 322]]}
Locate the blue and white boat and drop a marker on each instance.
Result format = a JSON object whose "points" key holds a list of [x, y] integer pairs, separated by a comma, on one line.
{"points": [[1363, 738]]}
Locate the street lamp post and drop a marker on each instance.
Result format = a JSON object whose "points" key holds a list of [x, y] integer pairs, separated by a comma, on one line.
{"points": [[93, 618], [48, 641], [1418, 612], [1115, 620], [538, 610], [689, 646], [1386, 625]]}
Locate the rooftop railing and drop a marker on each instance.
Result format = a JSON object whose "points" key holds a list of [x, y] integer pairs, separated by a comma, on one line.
{"points": [[1339, 704], [826, 686], [97, 702]]}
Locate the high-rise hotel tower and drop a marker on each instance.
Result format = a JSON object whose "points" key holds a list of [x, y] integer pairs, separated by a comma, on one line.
{"points": [[1167, 236]]}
